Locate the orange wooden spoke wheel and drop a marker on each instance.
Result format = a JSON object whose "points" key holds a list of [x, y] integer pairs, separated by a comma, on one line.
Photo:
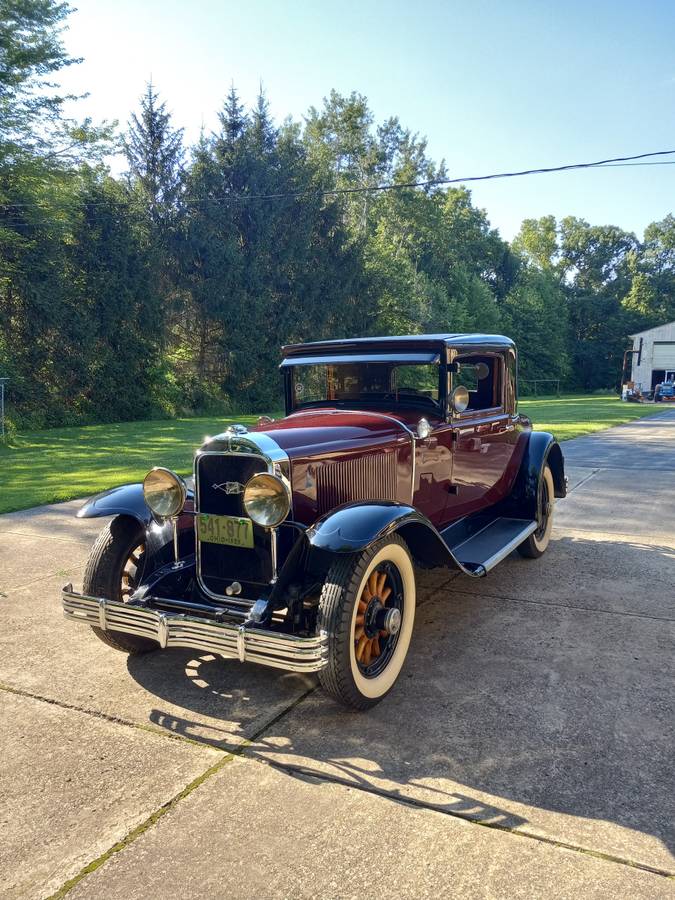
{"points": [[370, 639], [132, 572]]}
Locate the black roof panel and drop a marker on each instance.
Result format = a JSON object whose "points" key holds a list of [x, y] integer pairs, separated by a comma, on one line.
{"points": [[400, 342]]}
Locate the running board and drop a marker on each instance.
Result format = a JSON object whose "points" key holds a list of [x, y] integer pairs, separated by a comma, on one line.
{"points": [[478, 545]]}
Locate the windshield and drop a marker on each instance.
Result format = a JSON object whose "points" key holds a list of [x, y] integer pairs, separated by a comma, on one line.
{"points": [[355, 384]]}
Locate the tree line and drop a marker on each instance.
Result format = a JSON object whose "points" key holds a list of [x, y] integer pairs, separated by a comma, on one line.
{"points": [[169, 290]]}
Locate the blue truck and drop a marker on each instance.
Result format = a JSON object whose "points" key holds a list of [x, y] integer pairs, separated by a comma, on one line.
{"points": [[664, 391]]}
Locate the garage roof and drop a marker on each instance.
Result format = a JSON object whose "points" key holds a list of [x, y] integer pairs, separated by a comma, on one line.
{"points": [[655, 328]]}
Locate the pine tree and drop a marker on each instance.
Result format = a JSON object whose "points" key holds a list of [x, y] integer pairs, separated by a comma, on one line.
{"points": [[154, 152], [233, 122], [263, 133]]}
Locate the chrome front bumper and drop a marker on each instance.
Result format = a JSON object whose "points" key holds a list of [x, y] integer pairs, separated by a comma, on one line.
{"points": [[267, 648]]}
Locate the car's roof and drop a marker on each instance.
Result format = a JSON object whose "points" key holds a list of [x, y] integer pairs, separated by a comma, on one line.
{"points": [[401, 342]]}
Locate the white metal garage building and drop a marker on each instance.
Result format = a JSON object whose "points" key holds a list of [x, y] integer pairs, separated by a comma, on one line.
{"points": [[654, 356]]}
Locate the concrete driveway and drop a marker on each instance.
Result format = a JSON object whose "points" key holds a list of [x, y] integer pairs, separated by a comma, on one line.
{"points": [[527, 750]]}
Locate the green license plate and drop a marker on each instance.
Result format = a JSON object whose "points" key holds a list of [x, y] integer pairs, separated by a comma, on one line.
{"points": [[230, 530]]}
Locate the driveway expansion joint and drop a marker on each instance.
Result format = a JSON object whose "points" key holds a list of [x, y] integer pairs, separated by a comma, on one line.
{"points": [[136, 832], [159, 813], [49, 537], [585, 609], [301, 772], [584, 480], [61, 573], [106, 717], [573, 530]]}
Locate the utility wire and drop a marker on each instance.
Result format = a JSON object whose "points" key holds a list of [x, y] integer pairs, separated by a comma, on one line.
{"points": [[433, 182], [658, 162], [613, 162]]}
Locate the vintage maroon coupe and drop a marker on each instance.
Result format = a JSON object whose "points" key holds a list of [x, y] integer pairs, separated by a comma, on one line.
{"points": [[296, 545]]}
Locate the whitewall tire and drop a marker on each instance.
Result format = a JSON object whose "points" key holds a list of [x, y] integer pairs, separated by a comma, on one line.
{"points": [[367, 609], [539, 540]]}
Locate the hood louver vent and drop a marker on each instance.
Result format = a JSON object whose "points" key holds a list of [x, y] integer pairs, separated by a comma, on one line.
{"points": [[366, 478]]}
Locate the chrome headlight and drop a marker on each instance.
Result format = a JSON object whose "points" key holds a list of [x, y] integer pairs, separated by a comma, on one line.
{"points": [[164, 492], [267, 500]]}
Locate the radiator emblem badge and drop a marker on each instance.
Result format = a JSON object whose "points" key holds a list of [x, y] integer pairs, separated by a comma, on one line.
{"points": [[229, 487]]}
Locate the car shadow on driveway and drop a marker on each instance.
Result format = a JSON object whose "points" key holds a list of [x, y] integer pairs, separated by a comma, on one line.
{"points": [[544, 704]]}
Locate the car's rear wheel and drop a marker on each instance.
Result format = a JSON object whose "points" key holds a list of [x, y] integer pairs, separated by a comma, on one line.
{"points": [[114, 570], [539, 540], [367, 608]]}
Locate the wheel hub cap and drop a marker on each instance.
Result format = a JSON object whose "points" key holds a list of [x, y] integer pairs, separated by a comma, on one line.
{"points": [[392, 621]]}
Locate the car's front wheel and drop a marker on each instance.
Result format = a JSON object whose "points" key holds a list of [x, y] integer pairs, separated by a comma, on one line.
{"points": [[367, 609], [114, 570]]}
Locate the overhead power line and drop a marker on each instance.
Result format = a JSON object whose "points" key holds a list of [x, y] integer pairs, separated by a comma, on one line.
{"points": [[612, 162], [434, 182], [658, 162]]}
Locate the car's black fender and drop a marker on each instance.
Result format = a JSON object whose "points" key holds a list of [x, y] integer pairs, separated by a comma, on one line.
{"points": [[354, 527], [128, 500], [542, 448]]}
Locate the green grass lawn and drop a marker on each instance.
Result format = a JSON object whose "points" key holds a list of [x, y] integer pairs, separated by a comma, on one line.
{"points": [[572, 416], [62, 463]]}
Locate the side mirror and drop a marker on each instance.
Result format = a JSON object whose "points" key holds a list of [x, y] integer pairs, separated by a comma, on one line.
{"points": [[482, 370], [459, 399]]}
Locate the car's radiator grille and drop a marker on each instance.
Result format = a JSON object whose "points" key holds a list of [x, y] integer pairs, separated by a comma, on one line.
{"points": [[219, 564], [370, 477]]}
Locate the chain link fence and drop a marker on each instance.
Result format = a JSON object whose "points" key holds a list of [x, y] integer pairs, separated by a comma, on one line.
{"points": [[539, 387]]}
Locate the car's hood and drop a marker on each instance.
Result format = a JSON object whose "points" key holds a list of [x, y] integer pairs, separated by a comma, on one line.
{"points": [[327, 431]]}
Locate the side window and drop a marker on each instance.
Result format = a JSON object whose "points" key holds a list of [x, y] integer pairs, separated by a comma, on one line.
{"points": [[482, 376]]}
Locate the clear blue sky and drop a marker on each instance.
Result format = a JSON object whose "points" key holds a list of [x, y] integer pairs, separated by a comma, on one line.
{"points": [[493, 85]]}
